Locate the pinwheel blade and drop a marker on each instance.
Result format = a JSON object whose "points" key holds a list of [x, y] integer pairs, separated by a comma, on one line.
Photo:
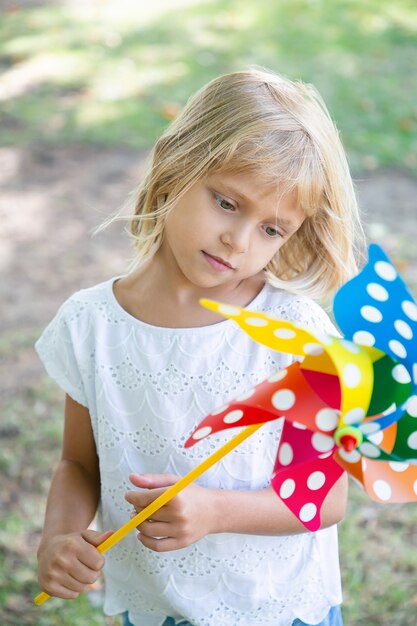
{"points": [[390, 481], [304, 473], [382, 313], [286, 393]]}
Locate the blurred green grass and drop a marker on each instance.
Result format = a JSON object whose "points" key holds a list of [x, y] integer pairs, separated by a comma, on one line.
{"points": [[116, 72]]}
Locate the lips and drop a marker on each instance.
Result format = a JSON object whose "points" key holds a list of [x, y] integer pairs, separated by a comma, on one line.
{"points": [[219, 260]]}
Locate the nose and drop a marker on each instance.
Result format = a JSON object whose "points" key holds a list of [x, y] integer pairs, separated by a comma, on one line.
{"points": [[237, 239]]}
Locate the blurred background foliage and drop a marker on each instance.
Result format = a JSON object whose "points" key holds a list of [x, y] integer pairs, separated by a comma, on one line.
{"points": [[115, 72], [111, 75]]}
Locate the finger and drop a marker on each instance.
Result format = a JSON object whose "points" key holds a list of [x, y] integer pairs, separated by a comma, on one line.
{"points": [[95, 537], [142, 499], [153, 481], [71, 583], [166, 544], [156, 529], [83, 574], [164, 514], [58, 591], [89, 555]]}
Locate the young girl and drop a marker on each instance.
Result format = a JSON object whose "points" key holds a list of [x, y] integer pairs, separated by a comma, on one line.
{"points": [[247, 200]]}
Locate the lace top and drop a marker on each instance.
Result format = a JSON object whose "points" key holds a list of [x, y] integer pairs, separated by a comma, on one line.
{"points": [[146, 388]]}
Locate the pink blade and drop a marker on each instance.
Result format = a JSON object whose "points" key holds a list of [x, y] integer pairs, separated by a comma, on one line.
{"points": [[304, 487], [327, 386], [299, 445]]}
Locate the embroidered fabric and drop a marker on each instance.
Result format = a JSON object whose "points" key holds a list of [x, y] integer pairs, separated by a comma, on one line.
{"points": [[146, 388]]}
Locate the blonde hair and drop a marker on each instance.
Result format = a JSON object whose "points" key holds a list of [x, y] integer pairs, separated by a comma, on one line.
{"points": [[259, 122]]}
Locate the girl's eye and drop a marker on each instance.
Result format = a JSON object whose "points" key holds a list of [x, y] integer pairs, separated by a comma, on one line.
{"points": [[224, 204], [272, 232]]}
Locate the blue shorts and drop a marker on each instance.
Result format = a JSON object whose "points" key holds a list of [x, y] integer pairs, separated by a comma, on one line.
{"points": [[333, 618]]}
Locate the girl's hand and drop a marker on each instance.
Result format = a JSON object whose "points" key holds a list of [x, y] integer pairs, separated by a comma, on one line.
{"points": [[69, 564], [186, 518]]}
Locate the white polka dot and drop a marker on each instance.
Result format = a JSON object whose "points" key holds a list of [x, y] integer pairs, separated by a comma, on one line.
{"points": [[398, 467], [233, 417], [287, 488], [382, 489], [349, 346], [397, 348], [313, 349], [307, 512], [283, 399], [364, 338], [411, 406], [284, 333], [322, 443], [412, 441], [354, 416], [369, 450], [415, 487], [327, 419], [299, 425], [385, 270], [351, 375], [377, 292], [277, 376], [222, 408], [403, 329], [400, 374], [350, 457], [246, 395], [410, 309], [228, 310], [285, 454], [316, 481], [256, 321], [369, 427], [202, 432], [377, 437], [326, 455], [392, 407], [371, 314]]}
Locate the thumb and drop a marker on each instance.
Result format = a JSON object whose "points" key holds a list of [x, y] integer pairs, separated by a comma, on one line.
{"points": [[96, 537], [153, 481]]}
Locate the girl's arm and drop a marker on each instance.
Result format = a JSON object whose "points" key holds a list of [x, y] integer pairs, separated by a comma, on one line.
{"points": [[263, 512], [68, 561], [198, 511]]}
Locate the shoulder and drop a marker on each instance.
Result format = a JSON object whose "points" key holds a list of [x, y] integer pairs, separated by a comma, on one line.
{"points": [[87, 297], [297, 308], [85, 305]]}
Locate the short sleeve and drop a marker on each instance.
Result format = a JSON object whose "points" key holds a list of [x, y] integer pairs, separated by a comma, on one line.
{"points": [[57, 349]]}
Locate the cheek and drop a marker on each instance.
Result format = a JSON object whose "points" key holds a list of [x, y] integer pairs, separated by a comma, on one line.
{"points": [[272, 254]]}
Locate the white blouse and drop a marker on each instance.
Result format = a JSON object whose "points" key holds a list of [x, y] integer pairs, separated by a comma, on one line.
{"points": [[146, 388]]}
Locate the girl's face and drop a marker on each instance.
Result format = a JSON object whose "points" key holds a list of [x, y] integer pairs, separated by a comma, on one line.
{"points": [[226, 228]]}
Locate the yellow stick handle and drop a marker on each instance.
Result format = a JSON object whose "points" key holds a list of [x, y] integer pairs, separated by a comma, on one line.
{"points": [[167, 496]]}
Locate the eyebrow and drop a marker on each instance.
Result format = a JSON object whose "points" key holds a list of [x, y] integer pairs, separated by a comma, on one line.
{"points": [[236, 193]]}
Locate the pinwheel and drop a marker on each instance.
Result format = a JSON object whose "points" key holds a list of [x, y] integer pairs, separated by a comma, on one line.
{"points": [[350, 405]]}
